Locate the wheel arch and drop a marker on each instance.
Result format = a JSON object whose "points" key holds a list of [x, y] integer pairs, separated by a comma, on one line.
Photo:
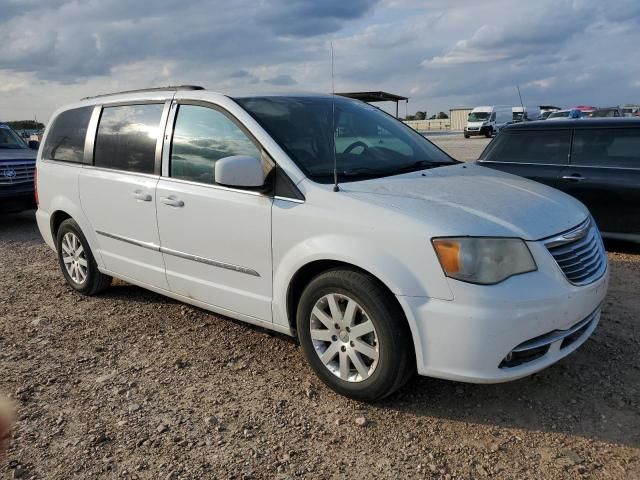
{"points": [[56, 220], [312, 269]]}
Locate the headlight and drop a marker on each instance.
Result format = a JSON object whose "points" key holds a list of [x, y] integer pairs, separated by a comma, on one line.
{"points": [[483, 260]]}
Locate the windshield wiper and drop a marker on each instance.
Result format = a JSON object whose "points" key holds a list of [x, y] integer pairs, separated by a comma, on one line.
{"points": [[357, 171]]}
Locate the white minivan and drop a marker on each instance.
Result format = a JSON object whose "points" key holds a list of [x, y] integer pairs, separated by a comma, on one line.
{"points": [[487, 120], [325, 218]]}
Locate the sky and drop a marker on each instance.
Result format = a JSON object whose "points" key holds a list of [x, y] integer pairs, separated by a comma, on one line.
{"points": [[441, 53]]}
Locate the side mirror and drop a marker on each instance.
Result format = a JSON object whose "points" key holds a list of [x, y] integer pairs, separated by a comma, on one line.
{"points": [[239, 171], [34, 144]]}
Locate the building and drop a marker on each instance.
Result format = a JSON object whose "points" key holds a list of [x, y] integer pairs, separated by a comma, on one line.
{"points": [[458, 118]]}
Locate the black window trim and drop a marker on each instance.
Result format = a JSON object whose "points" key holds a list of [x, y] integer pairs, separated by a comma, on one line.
{"points": [[168, 145], [92, 135]]}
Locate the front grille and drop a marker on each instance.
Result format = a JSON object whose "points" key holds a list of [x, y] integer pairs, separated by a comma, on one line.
{"points": [[15, 173], [538, 347], [579, 253]]}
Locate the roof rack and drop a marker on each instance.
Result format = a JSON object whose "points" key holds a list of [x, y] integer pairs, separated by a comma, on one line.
{"points": [[154, 89]]}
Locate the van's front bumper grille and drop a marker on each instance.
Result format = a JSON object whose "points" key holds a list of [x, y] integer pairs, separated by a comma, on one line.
{"points": [[15, 173], [579, 253], [538, 347]]}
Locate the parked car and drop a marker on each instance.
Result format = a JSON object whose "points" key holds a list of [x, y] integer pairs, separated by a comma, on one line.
{"points": [[564, 114], [607, 112], [595, 161], [410, 261], [17, 165], [487, 120]]}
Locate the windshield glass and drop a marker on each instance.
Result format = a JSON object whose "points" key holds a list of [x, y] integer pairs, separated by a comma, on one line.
{"points": [[10, 139], [559, 114], [478, 116], [368, 142]]}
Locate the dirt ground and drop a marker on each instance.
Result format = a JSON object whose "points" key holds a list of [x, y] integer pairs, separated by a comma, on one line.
{"points": [[130, 384]]}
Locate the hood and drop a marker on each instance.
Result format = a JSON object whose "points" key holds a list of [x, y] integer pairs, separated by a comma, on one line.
{"points": [[12, 154], [469, 200]]}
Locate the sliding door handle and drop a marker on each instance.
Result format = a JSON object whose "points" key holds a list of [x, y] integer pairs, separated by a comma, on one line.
{"points": [[172, 201], [142, 196]]}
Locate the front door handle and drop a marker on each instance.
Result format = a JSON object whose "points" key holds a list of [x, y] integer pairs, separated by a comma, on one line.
{"points": [[142, 196], [172, 201], [574, 178]]}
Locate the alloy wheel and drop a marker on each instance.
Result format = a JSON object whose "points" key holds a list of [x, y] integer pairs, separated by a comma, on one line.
{"points": [[344, 337], [74, 258]]}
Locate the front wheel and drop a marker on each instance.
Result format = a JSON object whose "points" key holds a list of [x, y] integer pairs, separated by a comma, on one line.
{"points": [[77, 262], [354, 335]]}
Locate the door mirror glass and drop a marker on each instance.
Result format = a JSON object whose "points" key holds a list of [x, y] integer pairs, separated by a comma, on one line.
{"points": [[239, 171]]}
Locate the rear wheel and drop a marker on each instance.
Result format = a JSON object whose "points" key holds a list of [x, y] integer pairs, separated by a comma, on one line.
{"points": [[354, 335], [77, 262]]}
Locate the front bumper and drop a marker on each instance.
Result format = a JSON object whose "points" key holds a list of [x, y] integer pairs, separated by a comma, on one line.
{"points": [[471, 338], [484, 130], [16, 201]]}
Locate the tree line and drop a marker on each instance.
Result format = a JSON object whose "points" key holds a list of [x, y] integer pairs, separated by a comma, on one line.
{"points": [[25, 125]]}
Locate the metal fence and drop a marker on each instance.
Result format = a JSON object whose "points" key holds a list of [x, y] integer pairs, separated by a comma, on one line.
{"points": [[429, 125]]}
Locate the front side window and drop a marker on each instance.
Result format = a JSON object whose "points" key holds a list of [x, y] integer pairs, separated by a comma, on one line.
{"points": [[607, 147], [366, 142], [201, 137], [66, 137], [127, 137], [550, 147]]}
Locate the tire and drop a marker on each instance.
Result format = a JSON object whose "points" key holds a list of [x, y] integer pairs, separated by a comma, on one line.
{"points": [[331, 295], [489, 134], [466, 136], [73, 249]]}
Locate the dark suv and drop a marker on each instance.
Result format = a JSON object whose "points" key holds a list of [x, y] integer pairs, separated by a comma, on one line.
{"points": [[597, 161], [17, 167]]}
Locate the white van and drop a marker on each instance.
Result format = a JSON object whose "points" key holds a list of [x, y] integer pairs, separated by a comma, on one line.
{"points": [[411, 261], [531, 112], [487, 120]]}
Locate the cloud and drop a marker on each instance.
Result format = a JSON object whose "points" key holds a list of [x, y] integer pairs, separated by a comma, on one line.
{"points": [[280, 80], [442, 53], [305, 18]]}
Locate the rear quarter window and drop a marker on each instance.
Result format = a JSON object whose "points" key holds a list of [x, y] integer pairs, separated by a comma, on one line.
{"points": [[65, 140], [607, 147], [550, 147]]}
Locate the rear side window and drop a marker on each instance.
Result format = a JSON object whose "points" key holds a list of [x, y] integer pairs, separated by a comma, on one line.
{"points": [[550, 147], [201, 137], [127, 137], [65, 139], [608, 147]]}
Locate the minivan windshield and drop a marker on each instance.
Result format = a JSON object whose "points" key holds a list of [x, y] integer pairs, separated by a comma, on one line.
{"points": [[478, 116], [10, 139], [368, 142]]}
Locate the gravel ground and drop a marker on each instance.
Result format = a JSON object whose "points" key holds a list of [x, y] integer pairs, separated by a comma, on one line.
{"points": [[130, 384], [460, 148]]}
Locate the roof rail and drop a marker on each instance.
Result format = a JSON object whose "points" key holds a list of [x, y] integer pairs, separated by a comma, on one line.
{"points": [[154, 89]]}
